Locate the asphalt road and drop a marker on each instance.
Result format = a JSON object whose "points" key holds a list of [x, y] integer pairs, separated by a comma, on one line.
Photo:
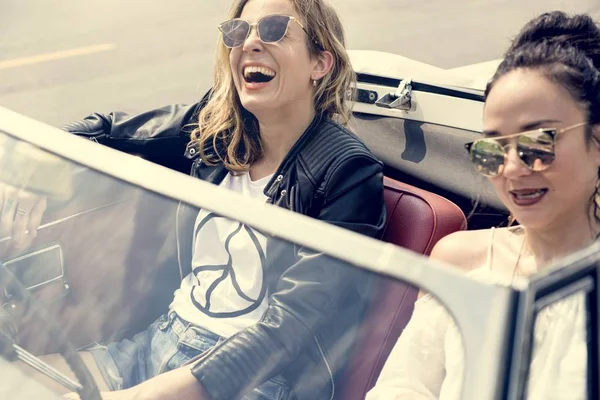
{"points": [[62, 59]]}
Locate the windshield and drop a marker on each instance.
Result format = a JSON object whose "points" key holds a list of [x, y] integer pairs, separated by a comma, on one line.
{"points": [[117, 253]]}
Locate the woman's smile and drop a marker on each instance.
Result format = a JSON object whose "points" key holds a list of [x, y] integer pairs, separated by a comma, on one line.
{"points": [[257, 76], [527, 197]]}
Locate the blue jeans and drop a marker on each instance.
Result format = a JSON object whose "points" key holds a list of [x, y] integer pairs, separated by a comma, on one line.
{"points": [[167, 344]]}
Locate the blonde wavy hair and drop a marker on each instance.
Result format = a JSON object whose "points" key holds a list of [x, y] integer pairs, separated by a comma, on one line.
{"points": [[231, 132]]}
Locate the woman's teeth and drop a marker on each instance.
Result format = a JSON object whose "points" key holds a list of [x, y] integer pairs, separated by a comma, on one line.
{"points": [[532, 194], [249, 71]]}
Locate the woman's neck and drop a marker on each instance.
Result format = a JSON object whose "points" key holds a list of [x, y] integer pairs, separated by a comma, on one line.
{"points": [[279, 132], [553, 243]]}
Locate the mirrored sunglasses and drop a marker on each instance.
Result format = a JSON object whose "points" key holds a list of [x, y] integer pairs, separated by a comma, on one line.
{"points": [[270, 29], [535, 150]]}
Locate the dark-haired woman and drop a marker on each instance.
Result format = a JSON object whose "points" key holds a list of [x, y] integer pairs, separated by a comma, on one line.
{"points": [[542, 112]]}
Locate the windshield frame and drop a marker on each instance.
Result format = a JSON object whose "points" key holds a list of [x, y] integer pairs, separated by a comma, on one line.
{"points": [[487, 337]]}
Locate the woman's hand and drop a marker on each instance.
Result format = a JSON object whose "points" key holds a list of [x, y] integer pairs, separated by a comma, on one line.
{"points": [[21, 215], [178, 384]]}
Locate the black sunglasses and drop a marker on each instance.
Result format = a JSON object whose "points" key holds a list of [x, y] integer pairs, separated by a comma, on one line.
{"points": [[270, 29], [534, 148]]}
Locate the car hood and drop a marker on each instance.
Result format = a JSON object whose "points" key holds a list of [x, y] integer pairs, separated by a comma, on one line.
{"points": [[390, 65]]}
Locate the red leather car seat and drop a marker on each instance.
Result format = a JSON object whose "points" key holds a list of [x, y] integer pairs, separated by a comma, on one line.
{"points": [[416, 220]]}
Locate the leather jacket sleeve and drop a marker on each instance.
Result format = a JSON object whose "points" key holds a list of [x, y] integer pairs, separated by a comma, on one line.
{"points": [[309, 293], [159, 135]]}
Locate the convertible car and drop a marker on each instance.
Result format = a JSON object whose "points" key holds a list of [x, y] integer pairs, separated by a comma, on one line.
{"points": [[104, 263]]}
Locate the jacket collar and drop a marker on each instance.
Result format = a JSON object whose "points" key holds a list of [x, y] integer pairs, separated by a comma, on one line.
{"points": [[217, 173], [290, 158]]}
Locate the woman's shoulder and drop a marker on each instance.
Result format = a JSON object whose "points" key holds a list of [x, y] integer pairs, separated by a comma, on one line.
{"points": [[334, 136], [467, 250], [335, 155]]}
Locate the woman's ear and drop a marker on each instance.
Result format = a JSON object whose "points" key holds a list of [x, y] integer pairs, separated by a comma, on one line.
{"points": [[323, 64]]}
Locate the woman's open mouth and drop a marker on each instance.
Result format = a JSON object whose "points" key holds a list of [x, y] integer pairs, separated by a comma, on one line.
{"points": [[256, 77], [527, 197]]}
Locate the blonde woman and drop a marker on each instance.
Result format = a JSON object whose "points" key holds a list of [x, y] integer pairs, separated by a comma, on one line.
{"points": [[271, 129], [540, 151]]}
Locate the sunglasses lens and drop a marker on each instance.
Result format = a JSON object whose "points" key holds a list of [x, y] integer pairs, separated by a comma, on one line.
{"points": [[272, 29], [234, 32], [536, 149], [488, 156]]}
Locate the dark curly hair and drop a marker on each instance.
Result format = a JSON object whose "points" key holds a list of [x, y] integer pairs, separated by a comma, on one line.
{"points": [[566, 49]]}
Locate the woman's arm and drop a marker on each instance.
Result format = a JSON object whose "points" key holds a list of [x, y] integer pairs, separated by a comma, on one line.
{"points": [[415, 367], [158, 135]]}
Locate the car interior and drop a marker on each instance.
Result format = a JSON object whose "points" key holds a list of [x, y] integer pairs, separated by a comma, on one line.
{"points": [[76, 264]]}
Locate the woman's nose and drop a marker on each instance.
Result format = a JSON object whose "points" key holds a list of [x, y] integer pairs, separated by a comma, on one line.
{"points": [[253, 42], [513, 165]]}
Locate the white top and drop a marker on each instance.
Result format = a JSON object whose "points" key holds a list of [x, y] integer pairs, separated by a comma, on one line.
{"points": [[226, 291], [427, 361]]}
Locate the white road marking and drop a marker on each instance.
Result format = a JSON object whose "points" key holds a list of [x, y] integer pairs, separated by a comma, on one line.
{"points": [[58, 55]]}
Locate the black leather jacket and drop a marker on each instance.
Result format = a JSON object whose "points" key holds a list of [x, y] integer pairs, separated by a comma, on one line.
{"points": [[316, 302]]}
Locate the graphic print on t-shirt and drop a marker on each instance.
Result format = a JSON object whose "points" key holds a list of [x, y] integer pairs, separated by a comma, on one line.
{"points": [[230, 268]]}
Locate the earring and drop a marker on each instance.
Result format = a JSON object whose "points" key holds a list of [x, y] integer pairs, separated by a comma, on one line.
{"points": [[597, 200], [315, 83]]}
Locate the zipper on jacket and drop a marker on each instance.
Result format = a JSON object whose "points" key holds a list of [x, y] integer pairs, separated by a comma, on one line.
{"points": [[98, 138], [328, 367]]}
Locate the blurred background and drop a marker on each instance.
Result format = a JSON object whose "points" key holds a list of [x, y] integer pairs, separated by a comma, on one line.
{"points": [[63, 59]]}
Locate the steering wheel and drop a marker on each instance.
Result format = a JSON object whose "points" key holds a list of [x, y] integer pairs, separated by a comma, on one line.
{"points": [[86, 388]]}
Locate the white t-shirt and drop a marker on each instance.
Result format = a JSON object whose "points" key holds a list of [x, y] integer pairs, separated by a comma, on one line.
{"points": [[226, 290]]}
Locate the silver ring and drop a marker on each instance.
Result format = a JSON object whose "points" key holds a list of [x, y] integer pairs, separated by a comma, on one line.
{"points": [[22, 212]]}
